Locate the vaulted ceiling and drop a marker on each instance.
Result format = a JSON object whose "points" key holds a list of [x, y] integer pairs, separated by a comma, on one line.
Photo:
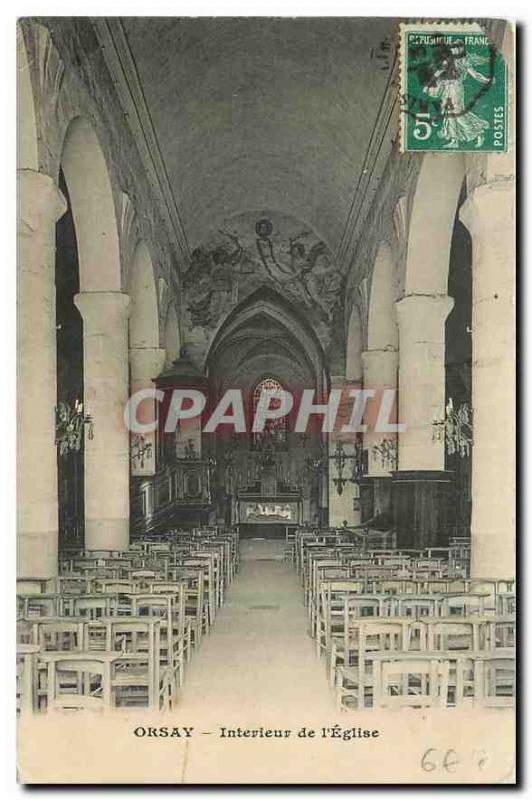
{"points": [[258, 114]]}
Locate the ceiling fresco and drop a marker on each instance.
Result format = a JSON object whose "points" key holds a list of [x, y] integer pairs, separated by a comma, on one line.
{"points": [[261, 249]]}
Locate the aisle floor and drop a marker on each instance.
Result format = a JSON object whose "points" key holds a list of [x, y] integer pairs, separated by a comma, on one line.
{"points": [[258, 658]]}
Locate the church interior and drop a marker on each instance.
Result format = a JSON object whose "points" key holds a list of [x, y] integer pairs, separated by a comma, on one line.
{"points": [[218, 210]]}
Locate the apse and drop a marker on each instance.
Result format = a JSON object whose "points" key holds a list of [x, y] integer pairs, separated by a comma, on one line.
{"points": [[266, 342]]}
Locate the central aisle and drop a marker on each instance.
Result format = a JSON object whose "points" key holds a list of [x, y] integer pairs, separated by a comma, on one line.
{"points": [[258, 659]]}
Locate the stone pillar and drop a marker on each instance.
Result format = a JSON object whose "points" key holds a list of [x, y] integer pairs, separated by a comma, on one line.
{"points": [[105, 339], [40, 204], [423, 510], [379, 374], [421, 320], [488, 213], [145, 364], [344, 507]]}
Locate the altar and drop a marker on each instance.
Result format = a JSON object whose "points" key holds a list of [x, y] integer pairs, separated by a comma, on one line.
{"points": [[276, 510]]}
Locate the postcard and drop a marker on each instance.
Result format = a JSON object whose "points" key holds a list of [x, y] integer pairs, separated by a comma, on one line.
{"points": [[266, 392]]}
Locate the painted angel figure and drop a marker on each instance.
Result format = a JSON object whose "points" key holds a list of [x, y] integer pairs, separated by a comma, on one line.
{"points": [[447, 84]]}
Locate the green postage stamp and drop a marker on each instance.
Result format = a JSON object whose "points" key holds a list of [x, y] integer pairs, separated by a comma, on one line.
{"points": [[454, 93]]}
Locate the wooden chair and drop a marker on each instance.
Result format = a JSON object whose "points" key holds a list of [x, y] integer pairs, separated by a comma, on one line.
{"points": [[451, 634], [443, 585], [26, 678], [397, 585], [39, 605], [74, 584], [495, 679], [500, 631], [215, 565], [330, 612], [181, 624], [85, 680], [209, 587], [323, 572], [141, 682], [290, 541], [414, 680], [57, 633], [173, 633], [506, 603], [91, 606], [360, 607], [414, 605], [464, 603], [191, 580], [143, 577], [364, 638]]}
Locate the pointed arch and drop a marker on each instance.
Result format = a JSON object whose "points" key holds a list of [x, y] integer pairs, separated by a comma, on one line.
{"points": [[89, 186], [144, 314], [172, 338], [27, 141], [382, 323], [431, 223], [270, 307], [355, 346]]}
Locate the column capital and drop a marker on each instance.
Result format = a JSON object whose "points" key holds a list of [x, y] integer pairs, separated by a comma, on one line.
{"points": [[146, 362], [101, 310], [489, 207], [40, 202], [423, 314]]}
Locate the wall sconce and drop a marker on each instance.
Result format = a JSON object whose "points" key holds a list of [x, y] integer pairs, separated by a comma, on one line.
{"points": [[140, 449], [455, 429], [341, 459], [387, 450], [69, 426]]}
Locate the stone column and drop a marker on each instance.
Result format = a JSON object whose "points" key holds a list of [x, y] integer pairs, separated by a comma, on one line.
{"points": [[344, 507], [488, 213], [105, 340], [145, 364], [421, 320], [379, 375], [423, 509], [40, 204]]}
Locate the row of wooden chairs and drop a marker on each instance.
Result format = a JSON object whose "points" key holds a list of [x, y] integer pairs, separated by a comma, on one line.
{"points": [[112, 632], [391, 636], [429, 679], [81, 663]]}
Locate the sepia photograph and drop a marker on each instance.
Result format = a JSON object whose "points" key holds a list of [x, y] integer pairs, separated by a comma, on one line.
{"points": [[266, 391]]}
